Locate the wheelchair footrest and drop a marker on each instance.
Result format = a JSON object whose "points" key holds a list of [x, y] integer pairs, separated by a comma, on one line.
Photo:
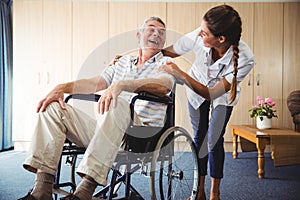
{"points": [[132, 196]]}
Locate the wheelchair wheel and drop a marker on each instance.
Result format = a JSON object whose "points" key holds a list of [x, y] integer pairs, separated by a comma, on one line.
{"points": [[174, 167]]}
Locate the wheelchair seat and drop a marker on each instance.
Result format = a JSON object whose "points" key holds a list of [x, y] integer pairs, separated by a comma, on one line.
{"points": [[160, 148]]}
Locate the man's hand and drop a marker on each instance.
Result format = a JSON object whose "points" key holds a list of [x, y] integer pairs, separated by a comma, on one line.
{"points": [[55, 95], [110, 94], [116, 59], [173, 69]]}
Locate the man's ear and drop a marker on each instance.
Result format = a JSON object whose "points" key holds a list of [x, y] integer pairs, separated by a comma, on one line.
{"points": [[138, 36], [222, 39]]}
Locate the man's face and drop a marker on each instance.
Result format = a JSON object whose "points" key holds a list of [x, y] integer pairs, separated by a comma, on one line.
{"points": [[153, 36]]}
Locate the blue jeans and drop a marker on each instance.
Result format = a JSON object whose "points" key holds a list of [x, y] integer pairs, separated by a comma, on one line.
{"points": [[208, 136]]}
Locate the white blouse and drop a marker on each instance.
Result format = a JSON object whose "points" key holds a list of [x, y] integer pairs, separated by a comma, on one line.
{"points": [[207, 72]]}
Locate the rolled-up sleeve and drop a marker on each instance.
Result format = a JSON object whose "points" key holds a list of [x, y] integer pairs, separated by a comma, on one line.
{"points": [[243, 71], [108, 74], [167, 75], [187, 42]]}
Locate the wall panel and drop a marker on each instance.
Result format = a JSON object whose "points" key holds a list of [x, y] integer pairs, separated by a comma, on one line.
{"points": [[240, 114], [90, 32], [291, 52], [268, 50]]}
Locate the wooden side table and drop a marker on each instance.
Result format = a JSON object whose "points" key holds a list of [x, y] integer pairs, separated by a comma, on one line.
{"points": [[261, 138]]}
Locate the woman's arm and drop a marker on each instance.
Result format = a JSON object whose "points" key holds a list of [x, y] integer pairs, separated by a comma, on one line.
{"points": [[184, 44], [219, 89], [169, 51]]}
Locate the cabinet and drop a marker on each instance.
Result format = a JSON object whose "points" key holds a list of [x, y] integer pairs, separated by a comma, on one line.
{"points": [[27, 30], [122, 33], [268, 50], [276, 49], [90, 38], [177, 26], [264, 35], [57, 41], [42, 58], [240, 113]]}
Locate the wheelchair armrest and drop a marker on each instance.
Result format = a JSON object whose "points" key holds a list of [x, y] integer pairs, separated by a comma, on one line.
{"points": [[86, 97], [152, 97], [141, 95], [168, 100]]}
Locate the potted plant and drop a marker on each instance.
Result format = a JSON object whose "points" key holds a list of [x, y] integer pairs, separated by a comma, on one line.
{"points": [[263, 111]]}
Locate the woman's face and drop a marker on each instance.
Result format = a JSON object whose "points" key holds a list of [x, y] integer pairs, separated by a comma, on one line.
{"points": [[209, 40]]}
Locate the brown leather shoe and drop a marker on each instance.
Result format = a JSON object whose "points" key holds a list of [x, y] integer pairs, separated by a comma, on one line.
{"points": [[73, 197], [27, 197], [70, 197]]}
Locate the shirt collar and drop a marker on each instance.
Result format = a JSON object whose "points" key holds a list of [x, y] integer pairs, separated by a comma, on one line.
{"points": [[225, 60], [153, 59]]}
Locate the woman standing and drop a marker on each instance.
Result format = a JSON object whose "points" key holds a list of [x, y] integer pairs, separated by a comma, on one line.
{"points": [[221, 62]]}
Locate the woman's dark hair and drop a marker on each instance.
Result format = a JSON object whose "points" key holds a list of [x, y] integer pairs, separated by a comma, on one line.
{"points": [[223, 20]]}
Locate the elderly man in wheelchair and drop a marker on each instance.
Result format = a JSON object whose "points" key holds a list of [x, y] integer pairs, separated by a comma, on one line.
{"points": [[102, 137]]}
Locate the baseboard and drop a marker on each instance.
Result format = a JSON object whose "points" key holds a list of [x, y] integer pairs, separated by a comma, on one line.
{"points": [[228, 147], [24, 146], [21, 145]]}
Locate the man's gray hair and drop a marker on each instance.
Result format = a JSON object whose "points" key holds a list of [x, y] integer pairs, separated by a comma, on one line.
{"points": [[153, 18]]}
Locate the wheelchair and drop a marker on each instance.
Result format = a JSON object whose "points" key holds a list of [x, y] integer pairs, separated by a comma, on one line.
{"points": [[166, 155]]}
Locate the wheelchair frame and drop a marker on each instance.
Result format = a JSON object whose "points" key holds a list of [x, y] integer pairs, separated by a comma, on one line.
{"points": [[159, 154]]}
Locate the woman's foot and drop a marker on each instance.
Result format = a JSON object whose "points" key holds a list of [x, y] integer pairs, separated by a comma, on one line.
{"points": [[199, 197], [214, 196], [201, 194], [215, 189]]}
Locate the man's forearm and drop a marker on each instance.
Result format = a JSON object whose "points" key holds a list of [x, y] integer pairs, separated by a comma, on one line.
{"points": [[83, 86], [159, 87], [65, 87], [154, 88]]}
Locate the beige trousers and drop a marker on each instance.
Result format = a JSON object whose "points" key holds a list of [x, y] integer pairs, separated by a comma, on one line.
{"points": [[102, 138]]}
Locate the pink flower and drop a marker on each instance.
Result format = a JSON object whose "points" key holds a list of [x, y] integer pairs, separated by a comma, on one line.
{"points": [[258, 98], [264, 107], [268, 100]]}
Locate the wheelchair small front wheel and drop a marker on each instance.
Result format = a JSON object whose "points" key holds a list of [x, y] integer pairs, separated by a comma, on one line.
{"points": [[174, 167]]}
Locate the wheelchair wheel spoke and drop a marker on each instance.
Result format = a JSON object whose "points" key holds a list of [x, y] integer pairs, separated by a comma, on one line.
{"points": [[180, 170]]}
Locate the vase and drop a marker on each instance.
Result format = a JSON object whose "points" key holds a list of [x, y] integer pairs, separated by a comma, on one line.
{"points": [[266, 123]]}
